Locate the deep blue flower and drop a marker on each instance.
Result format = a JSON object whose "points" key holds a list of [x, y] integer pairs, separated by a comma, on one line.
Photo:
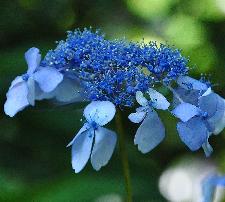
{"points": [[115, 70], [93, 141]]}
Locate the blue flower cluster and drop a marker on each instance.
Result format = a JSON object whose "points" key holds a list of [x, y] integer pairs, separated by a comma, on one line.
{"points": [[114, 70], [118, 74]]}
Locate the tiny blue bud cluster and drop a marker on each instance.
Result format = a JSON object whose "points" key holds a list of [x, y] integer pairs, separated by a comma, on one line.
{"points": [[115, 70]]}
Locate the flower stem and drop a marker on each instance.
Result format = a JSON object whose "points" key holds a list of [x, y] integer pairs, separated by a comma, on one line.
{"points": [[123, 155]]}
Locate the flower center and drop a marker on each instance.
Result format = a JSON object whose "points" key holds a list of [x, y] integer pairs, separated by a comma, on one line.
{"points": [[25, 77], [94, 125], [204, 115]]}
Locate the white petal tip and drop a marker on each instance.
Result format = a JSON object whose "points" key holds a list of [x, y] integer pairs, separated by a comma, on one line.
{"points": [[143, 151], [76, 168], [96, 169], [8, 114], [76, 171]]}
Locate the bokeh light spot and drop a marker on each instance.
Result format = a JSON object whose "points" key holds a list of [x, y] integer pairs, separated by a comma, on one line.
{"points": [[148, 9], [184, 31]]}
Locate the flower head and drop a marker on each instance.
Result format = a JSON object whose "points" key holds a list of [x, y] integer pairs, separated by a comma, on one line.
{"points": [[114, 70]]}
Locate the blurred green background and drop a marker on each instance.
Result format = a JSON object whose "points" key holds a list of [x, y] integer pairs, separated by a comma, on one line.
{"points": [[34, 161]]}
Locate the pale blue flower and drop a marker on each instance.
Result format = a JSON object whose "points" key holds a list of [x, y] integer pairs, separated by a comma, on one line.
{"points": [[151, 131], [209, 185], [201, 111], [22, 90], [93, 141]]}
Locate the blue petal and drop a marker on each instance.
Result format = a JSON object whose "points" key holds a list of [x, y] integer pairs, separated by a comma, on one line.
{"points": [[185, 111], [208, 189], [16, 81], [85, 127], [142, 109], [81, 149], [40, 95], [100, 112], [16, 98], [207, 148], [209, 104], [68, 91], [189, 96], [31, 91], [193, 133], [48, 78], [220, 181], [104, 145], [159, 101], [141, 99], [189, 83], [150, 133], [219, 125], [214, 105], [33, 58], [209, 186], [217, 121], [137, 117], [207, 92]]}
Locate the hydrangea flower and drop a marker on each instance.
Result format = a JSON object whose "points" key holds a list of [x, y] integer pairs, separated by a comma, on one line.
{"points": [[151, 132], [22, 90], [209, 185], [201, 111], [94, 141], [112, 73]]}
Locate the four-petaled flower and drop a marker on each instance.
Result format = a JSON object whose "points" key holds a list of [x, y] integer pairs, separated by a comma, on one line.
{"points": [[201, 111], [22, 90], [93, 141], [151, 132]]}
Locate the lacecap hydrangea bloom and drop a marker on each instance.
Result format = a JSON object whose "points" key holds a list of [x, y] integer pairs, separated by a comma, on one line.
{"points": [[114, 75]]}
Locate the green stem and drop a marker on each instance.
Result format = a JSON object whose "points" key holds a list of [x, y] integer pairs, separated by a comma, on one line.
{"points": [[123, 155]]}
